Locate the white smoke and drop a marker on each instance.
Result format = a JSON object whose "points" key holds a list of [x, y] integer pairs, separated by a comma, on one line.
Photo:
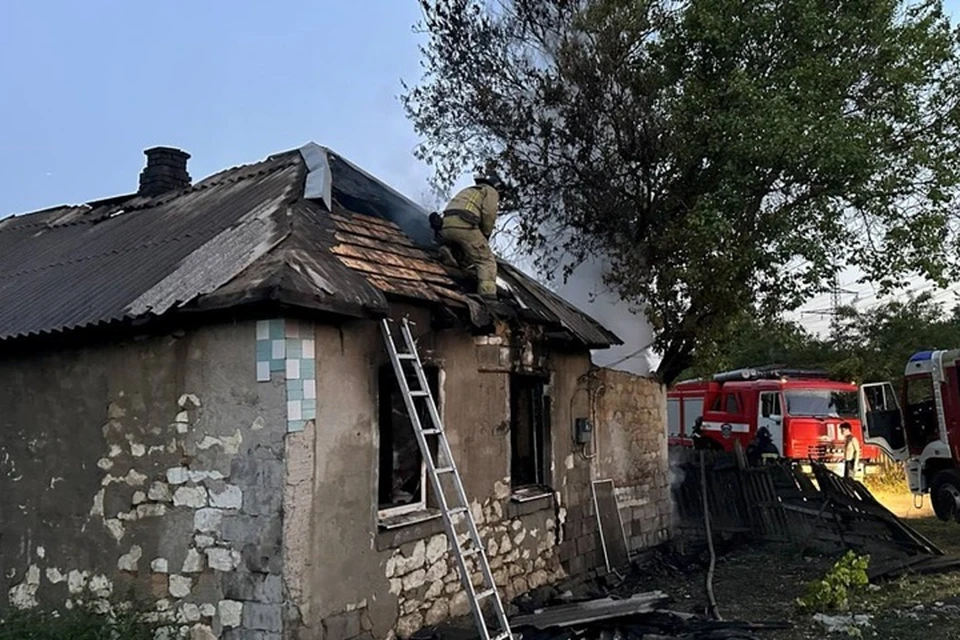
{"points": [[585, 289]]}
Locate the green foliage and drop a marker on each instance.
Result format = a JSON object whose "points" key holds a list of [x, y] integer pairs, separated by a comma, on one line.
{"points": [[722, 157], [891, 476], [868, 346], [832, 592], [79, 623]]}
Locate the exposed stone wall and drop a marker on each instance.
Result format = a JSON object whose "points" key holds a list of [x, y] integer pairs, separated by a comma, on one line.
{"points": [[152, 468], [632, 448], [522, 552]]}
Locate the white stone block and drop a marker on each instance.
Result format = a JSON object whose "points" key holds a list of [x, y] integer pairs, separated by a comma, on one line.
{"points": [[130, 560], [178, 475], [54, 576], [230, 498], [193, 562], [159, 492], [414, 580], [203, 541], [208, 520], [222, 559], [189, 612], [231, 613], [192, 497], [180, 586], [160, 565], [436, 548], [76, 581], [151, 510]]}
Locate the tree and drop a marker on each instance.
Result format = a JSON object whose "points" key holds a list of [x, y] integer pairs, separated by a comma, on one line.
{"points": [[872, 345], [725, 156]]}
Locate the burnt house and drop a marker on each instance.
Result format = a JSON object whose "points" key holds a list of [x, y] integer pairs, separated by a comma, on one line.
{"points": [[196, 407]]}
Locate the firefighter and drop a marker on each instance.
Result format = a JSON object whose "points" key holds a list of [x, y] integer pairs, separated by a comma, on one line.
{"points": [[851, 451], [468, 222], [761, 450], [700, 441]]}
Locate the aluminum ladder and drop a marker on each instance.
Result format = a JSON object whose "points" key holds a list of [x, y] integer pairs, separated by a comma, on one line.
{"points": [[455, 508]]}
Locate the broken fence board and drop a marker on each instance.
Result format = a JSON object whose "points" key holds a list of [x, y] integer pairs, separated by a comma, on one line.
{"points": [[581, 613]]}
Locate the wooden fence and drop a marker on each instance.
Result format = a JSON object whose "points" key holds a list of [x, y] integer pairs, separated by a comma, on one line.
{"points": [[778, 502]]}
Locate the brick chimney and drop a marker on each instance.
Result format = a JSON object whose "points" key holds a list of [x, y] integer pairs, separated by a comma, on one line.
{"points": [[166, 170]]}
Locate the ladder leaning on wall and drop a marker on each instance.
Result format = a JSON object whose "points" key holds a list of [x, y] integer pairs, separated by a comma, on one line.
{"points": [[455, 508]]}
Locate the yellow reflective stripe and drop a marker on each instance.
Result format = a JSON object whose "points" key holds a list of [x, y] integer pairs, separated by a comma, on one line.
{"points": [[473, 200]]}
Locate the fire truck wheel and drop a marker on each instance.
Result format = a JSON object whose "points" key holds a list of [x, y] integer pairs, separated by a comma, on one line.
{"points": [[945, 494]]}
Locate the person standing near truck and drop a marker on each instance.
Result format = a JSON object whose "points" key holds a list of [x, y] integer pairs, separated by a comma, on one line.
{"points": [[851, 451]]}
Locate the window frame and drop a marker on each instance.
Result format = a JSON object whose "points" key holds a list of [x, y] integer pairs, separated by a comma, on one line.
{"points": [[727, 395], [435, 377], [543, 445]]}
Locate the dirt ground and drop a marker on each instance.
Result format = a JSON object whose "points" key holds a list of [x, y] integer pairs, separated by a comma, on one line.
{"points": [[763, 582], [902, 504]]}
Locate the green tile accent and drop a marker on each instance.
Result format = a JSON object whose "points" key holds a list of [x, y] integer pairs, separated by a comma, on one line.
{"points": [[276, 329], [294, 347], [294, 389]]}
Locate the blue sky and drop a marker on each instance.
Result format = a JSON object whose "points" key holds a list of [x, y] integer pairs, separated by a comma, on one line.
{"points": [[87, 86]]}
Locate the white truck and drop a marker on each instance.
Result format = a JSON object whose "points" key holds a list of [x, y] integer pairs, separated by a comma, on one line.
{"points": [[920, 426]]}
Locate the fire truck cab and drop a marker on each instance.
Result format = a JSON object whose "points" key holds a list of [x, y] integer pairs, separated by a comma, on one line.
{"points": [[803, 411], [923, 428]]}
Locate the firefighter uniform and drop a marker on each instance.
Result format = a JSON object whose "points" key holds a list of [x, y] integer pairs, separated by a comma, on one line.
{"points": [[761, 450], [468, 222]]}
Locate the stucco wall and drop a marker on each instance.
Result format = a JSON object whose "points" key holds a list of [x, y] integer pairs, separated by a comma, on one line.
{"points": [[356, 579], [150, 467], [191, 468]]}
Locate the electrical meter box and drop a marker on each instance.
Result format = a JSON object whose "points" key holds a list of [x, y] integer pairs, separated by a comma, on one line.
{"points": [[582, 430]]}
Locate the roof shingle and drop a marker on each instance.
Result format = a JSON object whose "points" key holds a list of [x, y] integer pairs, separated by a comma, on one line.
{"points": [[244, 234]]}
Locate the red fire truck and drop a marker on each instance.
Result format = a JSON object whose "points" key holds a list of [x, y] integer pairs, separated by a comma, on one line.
{"points": [[802, 409]]}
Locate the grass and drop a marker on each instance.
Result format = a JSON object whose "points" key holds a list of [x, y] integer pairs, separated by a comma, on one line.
{"points": [[79, 623], [763, 581]]}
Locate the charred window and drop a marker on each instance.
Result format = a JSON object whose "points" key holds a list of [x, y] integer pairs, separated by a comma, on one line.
{"points": [[529, 431], [402, 483]]}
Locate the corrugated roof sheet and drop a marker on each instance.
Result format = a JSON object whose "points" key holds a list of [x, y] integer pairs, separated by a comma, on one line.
{"points": [[241, 235]]}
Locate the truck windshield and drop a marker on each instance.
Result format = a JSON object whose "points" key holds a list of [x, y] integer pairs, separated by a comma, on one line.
{"points": [[822, 403]]}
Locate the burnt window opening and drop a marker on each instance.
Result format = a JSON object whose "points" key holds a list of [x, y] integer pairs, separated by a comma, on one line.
{"points": [[402, 484], [529, 431]]}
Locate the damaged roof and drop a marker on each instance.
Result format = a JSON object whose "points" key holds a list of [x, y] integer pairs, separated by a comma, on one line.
{"points": [[305, 228]]}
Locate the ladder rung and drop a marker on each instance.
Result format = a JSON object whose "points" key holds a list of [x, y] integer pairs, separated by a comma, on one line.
{"points": [[419, 394], [458, 510], [444, 469], [432, 432], [486, 594], [469, 552], [504, 635], [406, 356]]}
